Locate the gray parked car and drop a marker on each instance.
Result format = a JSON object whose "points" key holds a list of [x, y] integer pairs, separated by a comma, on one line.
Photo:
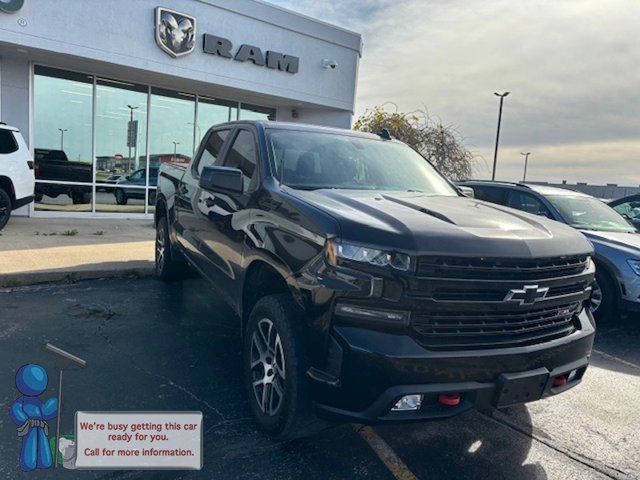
{"points": [[615, 240]]}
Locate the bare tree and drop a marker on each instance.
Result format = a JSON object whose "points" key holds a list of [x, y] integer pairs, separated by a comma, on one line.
{"points": [[441, 144]]}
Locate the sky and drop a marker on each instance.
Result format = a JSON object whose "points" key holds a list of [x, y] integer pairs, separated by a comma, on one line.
{"points": [[572, 67]]}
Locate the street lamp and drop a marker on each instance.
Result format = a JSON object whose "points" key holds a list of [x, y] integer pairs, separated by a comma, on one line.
{"points": [[131, 136], [62, 130], [526, 160], [495, 152], [175, 150]]}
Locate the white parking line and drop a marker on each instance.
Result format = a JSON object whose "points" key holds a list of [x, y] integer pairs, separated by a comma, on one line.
{"points": [[617, 359], [385, 453]]}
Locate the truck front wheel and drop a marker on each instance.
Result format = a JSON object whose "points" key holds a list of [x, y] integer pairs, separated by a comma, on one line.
{"points": [[275, 370], [5, 208]]}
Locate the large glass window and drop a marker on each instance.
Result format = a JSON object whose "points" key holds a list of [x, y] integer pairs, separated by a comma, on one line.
{"points": [[92, 149], [212, 112], [121, 145], [62, 123], [171, 135]]}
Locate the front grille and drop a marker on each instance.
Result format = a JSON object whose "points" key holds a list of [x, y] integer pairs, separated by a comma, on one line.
{"points": [[461, 303], [469, 330], [500, 269]]}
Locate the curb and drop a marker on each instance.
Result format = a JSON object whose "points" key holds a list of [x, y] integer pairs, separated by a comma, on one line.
{"points": [[65, 276]]}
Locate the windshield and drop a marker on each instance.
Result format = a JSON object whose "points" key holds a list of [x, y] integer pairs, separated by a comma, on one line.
{"points": [[312, 160], [589, 214]]}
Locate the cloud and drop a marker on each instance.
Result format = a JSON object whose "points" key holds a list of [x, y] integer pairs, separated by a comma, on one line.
{"points": [[572, 67]]}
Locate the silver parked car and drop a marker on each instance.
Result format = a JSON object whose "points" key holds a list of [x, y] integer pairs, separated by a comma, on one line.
{"points": [[615, 240]]}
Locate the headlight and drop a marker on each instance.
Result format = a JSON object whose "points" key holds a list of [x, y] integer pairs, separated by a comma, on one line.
{"points": [[635, 266], [335, 250]]}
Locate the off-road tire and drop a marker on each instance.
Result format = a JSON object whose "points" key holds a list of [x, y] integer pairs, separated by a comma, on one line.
{"points": [[295, 417]]}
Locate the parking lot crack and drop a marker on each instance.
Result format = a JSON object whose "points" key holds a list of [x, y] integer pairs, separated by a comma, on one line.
{"points": [[184, 390], [607, 470]]}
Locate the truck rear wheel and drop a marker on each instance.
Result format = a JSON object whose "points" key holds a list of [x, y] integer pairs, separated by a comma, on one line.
{"points": [[5, 208], [170, 265], [275, 367]]}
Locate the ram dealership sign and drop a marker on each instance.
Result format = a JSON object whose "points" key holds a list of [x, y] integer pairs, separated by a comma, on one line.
{"points": [[176, 36]]}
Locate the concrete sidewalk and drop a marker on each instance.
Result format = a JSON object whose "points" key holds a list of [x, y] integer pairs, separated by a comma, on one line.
{"points": [[37, 250]]}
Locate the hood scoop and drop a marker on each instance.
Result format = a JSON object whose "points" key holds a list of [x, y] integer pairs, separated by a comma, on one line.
{"points": [[419, 208]]}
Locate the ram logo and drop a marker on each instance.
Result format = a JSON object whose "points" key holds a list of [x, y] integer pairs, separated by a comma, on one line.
{"points": [[175, 32]]}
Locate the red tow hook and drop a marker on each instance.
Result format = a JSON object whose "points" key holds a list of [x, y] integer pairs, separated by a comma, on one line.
{"points": [[559, 381], [450, 400]]}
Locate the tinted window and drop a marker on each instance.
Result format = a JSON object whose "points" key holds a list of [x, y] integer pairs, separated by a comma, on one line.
{"points": [[242, 155], [629, 209], [313, 160], [528, 203], [589, 213], [7, 142], [212, 149], [490, 194]]}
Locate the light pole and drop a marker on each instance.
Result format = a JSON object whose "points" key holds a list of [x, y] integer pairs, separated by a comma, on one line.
{"points": [[526, 160], [62, 130], [130, 135], [175, 150], [495, 152]]}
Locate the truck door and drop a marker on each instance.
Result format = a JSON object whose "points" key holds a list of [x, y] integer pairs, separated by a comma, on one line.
{"points": [[187, 194], [221, 219]]}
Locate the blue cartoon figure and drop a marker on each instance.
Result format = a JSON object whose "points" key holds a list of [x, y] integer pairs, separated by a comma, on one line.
{"points": [[30, 414]]}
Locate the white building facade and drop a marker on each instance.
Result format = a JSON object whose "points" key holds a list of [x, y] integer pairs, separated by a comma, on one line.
{"points": [[106, 91]]}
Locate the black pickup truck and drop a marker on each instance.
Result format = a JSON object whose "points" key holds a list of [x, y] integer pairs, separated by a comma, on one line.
{"points": [[368, 287]]}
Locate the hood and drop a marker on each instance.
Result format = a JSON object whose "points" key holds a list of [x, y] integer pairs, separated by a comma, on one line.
{"points": [[442, 225], [624, 242]]}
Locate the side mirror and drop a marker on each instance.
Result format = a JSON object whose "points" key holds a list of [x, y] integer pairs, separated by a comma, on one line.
{"points": [[221, 179], [467, 191]]}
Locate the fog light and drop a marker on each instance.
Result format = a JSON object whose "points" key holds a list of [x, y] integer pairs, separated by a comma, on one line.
{"points": [[408, 402]]}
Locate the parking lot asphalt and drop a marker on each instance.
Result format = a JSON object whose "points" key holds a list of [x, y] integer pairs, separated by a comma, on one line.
{"points": [[151, 346]]}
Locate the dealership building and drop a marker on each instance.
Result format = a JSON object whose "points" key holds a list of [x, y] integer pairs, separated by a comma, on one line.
{"points": [[105, 92]]}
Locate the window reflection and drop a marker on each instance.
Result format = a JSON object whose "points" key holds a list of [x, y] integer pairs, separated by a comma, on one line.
{"points": [[171, 135], [121, 143], [62, 138], [58, 197], [212, 112], [123, 175]]}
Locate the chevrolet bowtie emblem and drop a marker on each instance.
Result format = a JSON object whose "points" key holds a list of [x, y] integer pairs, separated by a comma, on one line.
{"points": [[529, 295]]}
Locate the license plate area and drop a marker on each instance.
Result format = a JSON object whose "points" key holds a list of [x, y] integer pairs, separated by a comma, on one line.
{"points": [[521, 387]]}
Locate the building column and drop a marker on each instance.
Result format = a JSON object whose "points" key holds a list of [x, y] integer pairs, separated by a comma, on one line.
{"points": [[15, 81]]}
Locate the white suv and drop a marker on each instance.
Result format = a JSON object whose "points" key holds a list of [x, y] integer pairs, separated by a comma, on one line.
{"points": [[17, 181]]}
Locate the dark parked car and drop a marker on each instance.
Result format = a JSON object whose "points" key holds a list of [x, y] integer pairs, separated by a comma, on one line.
{"points": [[367, 286], [54, 165], [616, 241], [629, 208], [125, 187]]}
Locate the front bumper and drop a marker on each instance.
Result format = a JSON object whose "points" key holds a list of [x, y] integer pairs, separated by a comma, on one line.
{"points": [[373, 370]]}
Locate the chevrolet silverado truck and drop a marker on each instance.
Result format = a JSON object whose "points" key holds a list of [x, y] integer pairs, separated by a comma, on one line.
{"points": [[368, 288]]}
